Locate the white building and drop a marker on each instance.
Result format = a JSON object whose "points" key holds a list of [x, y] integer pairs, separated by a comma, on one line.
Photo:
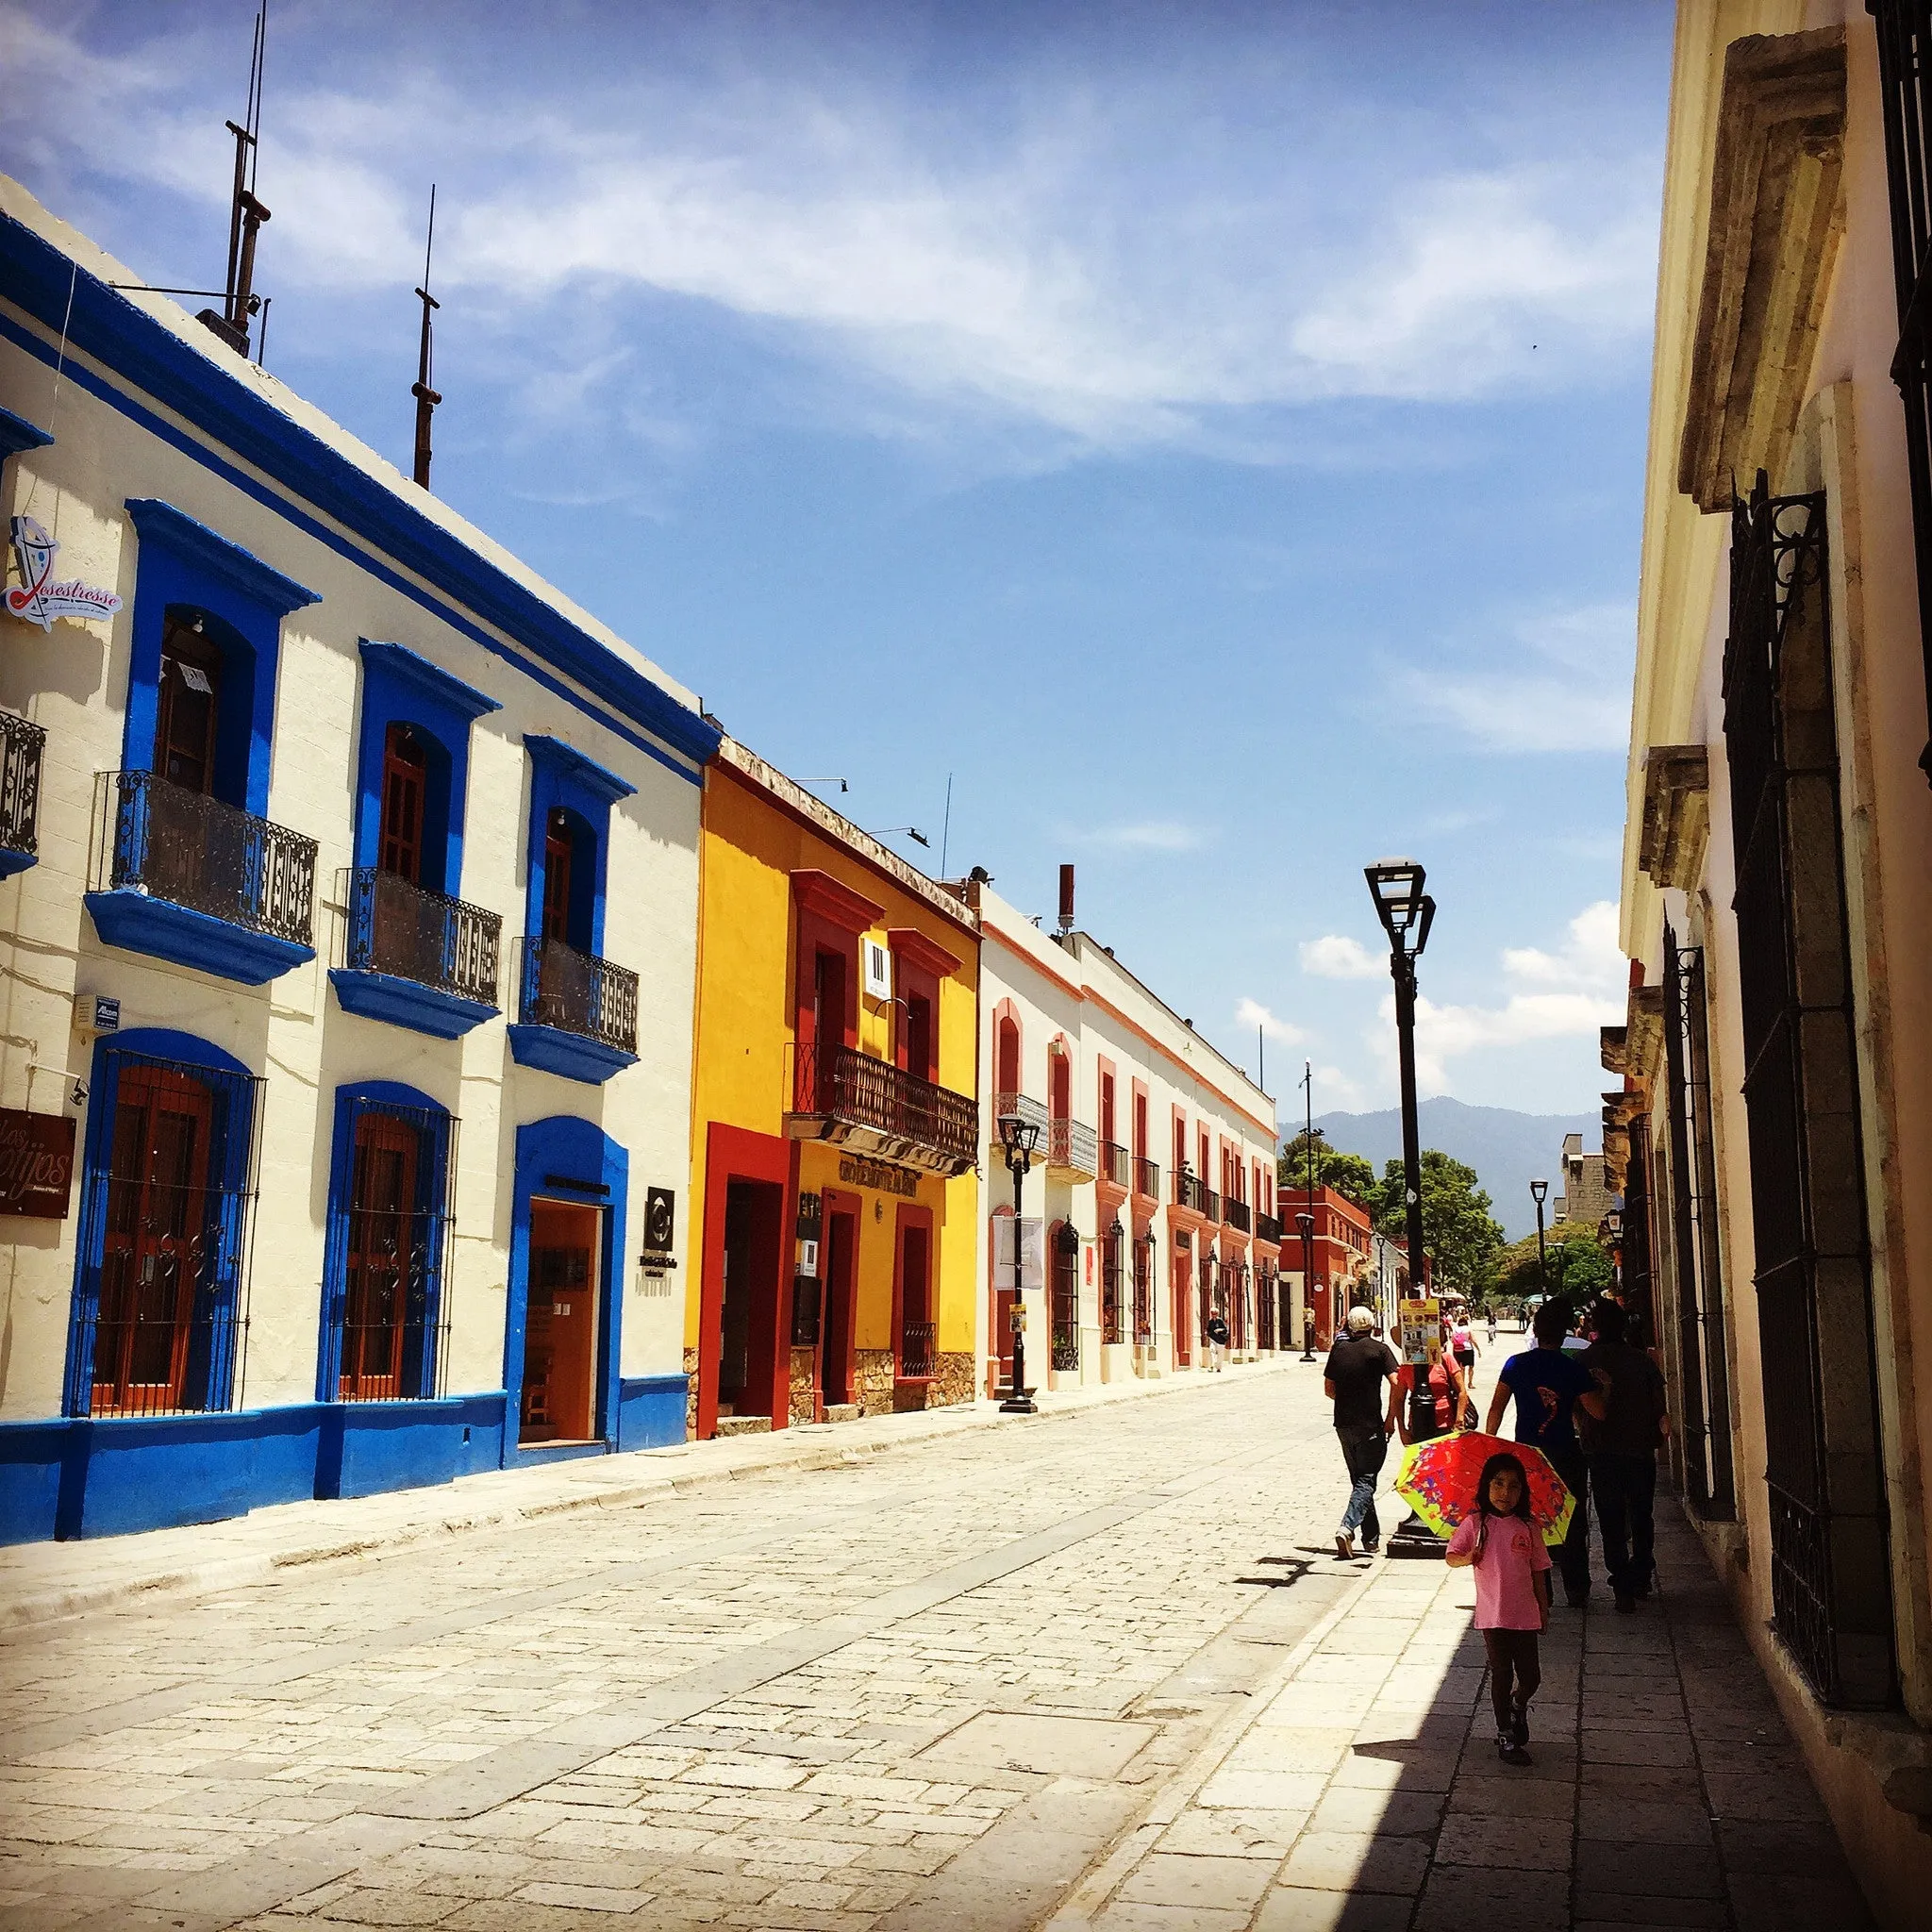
{"points": [[343, 1091], [1155, 1204]]}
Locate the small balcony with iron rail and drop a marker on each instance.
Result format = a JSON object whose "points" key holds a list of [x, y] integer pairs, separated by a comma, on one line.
{"points": [[1268, 1228], [1072, 1150], [1189, 1191], [875, 1108], [1234, 1214], [576, 1014], [1146, 1179], [414, 958], [21, 743], [1116, 1166], [1017, 1107], [183, 877]]}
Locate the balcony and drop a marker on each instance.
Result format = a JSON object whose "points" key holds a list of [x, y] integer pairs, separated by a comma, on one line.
{"points": [[1189, 1191], [1146, 1177], [576, 1014], [874, 1107], [21, 744], [1268, 1228], [1210, 1203], [1072, 1151], [1114, 1167], [183, 877], [416, 958], [1235, 1213], [1019, 1105]]}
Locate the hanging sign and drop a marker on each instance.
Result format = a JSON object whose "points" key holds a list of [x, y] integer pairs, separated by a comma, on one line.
{"points": [[35, 1163], [1422, 1332], [38, 599]]}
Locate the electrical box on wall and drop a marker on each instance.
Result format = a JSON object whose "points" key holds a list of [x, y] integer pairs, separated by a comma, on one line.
{"points": [[96, 1013], [878, 970]]}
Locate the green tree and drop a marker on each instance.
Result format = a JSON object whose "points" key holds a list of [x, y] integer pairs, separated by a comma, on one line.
{"points": [[1579, 1268], [1349, 1175], [1457, 1228]]}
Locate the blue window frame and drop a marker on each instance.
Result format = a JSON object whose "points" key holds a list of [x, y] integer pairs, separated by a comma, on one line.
{"points": [[159, 1311], [565, 783], [236, 603], [390, 1219]]}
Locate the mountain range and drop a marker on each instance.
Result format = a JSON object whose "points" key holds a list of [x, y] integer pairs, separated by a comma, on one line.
{"points": [[1508, 1149]]}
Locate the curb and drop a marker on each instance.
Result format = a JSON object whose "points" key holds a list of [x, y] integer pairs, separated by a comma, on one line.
{"points": [[735, 1463]]}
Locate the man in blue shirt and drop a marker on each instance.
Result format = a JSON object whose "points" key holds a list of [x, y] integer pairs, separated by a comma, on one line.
{"points": [[1545, 1383]]}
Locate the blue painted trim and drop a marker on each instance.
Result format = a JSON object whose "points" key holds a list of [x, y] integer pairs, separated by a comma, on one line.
{"points": [[430, 679], [564, 1144], [652, 1409], [17, 434], [406, 1002], [569, 761], [261, 583], [560, 1452], [139, 924], [570, 1055], [370, 1448], [196, 383], [562, 778], [12, 861]]}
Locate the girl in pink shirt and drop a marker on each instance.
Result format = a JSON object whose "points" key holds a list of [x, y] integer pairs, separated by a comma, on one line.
{"points": [[1512, 1594]]}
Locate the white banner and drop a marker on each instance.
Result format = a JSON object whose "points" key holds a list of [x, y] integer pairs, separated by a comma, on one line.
{"points": [[1032, 1251]]}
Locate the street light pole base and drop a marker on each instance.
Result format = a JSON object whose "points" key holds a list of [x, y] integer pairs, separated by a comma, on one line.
{"points": [[1411, 1537], [1021, 1403]]}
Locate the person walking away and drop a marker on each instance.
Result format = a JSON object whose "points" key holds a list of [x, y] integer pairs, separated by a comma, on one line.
{"points": [[1217, 1340], [1463, 1346], [1626, 1423], [1546, 1384], [1492, 1325], [1436, 1402], [1358, 1364], [1512, 1596]]}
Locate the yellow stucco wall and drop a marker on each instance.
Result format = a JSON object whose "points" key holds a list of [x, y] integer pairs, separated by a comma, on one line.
{"points": [[749, 846]]}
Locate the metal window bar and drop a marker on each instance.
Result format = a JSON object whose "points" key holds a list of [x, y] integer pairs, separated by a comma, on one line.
{"points": [[578, 992], [1114, 1161], [1268, 1228], [1189, 1190], [159, 1322], [385, 1301], [192, 850], [1112, 1319], [399, 928], [840, 1083], [1706, 1433], [917, 1362], [1235, 1212], [1264, 1308], [1829, 1565], [1146, 1177], [1064, 1312], [1143, 1292], [22, 743]]}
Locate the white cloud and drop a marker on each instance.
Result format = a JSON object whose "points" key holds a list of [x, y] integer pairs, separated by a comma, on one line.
{"points": [[1145, 835], [1335, 956], [1250, 1015]]}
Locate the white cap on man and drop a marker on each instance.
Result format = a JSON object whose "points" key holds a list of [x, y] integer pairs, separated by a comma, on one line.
{"points": [[1361, 1320]]}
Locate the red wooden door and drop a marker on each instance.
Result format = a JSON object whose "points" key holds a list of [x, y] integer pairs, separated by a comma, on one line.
{"points": [[404, 770], [382, 1240]]}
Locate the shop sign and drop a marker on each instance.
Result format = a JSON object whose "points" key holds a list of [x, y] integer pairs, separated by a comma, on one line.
{"points": [[38, 599], [856, 1171], [1422, 1332], [660, 1228], [35, 1163]]}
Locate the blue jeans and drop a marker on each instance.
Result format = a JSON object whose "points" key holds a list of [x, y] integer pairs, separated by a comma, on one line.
{"points": [[1364, 1451]]}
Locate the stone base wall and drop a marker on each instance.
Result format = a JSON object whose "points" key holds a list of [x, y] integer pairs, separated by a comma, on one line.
{"points": [[691, 1396], [953, 1383], [874, 1381], [804, 1396]]}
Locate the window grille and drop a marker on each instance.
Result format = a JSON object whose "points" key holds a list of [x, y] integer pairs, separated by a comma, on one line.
{"points": [[385, 1315], [1113, 1316], [1904, 69], [1706, 1432], [159, 1318], [1065, 1313], [1829, 1562], [1144, 1291]]}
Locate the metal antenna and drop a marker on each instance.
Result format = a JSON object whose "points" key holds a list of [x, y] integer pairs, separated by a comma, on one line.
{"points": [[946, 829], [246, 213], [426, 398]]}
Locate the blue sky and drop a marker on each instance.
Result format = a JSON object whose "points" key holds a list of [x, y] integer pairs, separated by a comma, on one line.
{"points": [[1212, 434]]}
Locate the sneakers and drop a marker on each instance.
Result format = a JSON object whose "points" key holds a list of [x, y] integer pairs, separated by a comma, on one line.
{"points": [[1369, 1549], [1519, 1727], [1344, 1545], [1509, 1751]]}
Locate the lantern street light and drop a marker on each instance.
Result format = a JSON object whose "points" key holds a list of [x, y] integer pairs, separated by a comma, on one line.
{"points": [[1019, 1137], [1537, 1190], [1305, 1222], [1407, 913]]}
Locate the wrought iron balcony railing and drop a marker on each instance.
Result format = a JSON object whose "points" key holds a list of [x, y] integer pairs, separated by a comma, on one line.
{"points": [[1267, 1228], [1147, 1178], [1072, 1148], [1234, 1214], [917, 1358], [21, 745], [1189, 1191], [195, 851], [1210, 1203], [847, 1088], [1114, 1163], [580, 993], [398, 928], [1024, 1106]]}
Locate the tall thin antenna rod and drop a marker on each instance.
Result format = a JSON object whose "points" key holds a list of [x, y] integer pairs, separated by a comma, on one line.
{"points": [[246, 213], [946, 829], [426, 398]]}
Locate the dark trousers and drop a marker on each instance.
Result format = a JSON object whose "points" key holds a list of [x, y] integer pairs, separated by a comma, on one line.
{"points": [[1515, 1673], [1573, 1559], [1364, 1451], [1626, 1490]]}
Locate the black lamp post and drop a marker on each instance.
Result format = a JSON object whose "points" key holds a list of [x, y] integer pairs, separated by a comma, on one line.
{"points": [[1537, 1190], [1407, 913], [1019, 1137], [1305, 1222]]}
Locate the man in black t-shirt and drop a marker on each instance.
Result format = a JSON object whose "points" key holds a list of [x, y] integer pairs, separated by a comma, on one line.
{"points": [[1358, 1365]]}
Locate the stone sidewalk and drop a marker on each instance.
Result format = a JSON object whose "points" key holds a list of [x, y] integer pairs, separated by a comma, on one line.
{"points": [[44, 1580], [1364, 1794]]}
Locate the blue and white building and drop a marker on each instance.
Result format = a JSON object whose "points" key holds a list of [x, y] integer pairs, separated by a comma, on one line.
{"points": [[348, 885]]}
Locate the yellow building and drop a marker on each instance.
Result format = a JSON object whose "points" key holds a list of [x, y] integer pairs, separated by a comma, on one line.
{"points": [[834, 1129]]}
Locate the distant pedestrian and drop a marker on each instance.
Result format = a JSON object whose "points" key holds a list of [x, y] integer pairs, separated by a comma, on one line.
{"points": [[1546, 1384], [1492, 1325], [1217, 1340], [1512, 1596], [1462, 1345], [1308, 1336], [1626, 1423], [1358, 1364]]}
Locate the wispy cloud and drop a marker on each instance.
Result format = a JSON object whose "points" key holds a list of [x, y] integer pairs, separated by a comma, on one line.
{"points": [[1144, 835], [1251, 1014], [1337, 955]]}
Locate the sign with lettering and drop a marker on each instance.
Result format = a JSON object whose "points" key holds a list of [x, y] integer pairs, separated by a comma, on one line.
{"points": [[661, 1231], [37, 598], [1422, 1332], [35, 1163], [858, 1172]]}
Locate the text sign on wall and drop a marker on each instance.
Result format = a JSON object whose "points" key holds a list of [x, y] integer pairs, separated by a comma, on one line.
{"points": [[35, 1163], [858, 1172], [39, 599]]}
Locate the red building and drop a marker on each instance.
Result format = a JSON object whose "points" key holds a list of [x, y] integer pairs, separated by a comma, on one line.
{"points": [[1341, 1246]]}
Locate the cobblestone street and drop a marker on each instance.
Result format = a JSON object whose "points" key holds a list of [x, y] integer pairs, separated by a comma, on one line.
{"points": [[1093, 1669]]}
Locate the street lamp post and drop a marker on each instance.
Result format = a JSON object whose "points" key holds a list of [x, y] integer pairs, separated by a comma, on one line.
{"points": [[1305, 1222], [1537, 1190], [1019, 1137], [1407, 913]]}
